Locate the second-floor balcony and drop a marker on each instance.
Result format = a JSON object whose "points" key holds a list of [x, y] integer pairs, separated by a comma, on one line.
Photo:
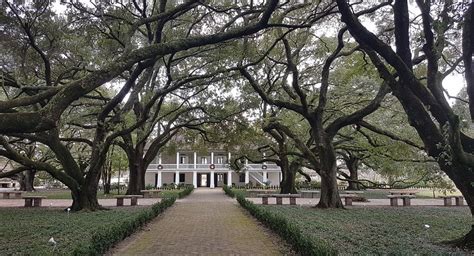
{"points": [[210, 167]]}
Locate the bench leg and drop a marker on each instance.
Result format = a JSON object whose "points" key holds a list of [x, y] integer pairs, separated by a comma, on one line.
{"points": [[6, 195], [459, 201], [264, 200], [348, 200], [293, 200], [133, 201], [393, 201], [37, 202], [28, 202], [119, 201], [406, 201], [279, 200], [448, 201]]}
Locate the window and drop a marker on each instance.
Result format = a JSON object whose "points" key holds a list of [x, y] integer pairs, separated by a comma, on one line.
{"points": [[203, 160], [242, 177], [183, 159], [220, 159], [182, 177]]}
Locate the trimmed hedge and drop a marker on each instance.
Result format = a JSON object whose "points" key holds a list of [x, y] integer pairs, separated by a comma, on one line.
{"points": [[187, 190], [228, 191], [102, 240], [291, 233]]}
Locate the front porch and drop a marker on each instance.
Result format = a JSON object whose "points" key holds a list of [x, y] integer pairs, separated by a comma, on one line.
{"points": [[211, 179]]}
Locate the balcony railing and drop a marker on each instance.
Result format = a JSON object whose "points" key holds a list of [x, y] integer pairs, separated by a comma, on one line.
{"points": [[207, 167]]}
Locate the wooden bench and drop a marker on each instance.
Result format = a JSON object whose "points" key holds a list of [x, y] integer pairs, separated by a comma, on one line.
{"points": [[279, 198], [406, 199], [309, 193], [6, 194], [147, 193], [33, 201], [448, 200], [133, 199], [347, 198]]}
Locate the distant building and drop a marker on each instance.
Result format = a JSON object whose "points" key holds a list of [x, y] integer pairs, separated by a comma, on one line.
{"points": [[207, 170]]}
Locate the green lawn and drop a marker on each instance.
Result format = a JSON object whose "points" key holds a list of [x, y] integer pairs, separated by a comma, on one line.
{"points": [[66, 194], [381, 231], [422, 193], [26, 231]]}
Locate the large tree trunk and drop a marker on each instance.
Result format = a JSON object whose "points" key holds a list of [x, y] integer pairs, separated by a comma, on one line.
{"points": [[85, 199], [107, 182], [353, 166], [26, 180], [463, 178], [137, 174], [287, 184], [329, 192], [137, 170]]}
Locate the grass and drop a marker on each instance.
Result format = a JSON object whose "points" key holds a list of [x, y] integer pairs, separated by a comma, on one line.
{"points": [[380, 230], [66, 193], [26, 231], [422, 193]]}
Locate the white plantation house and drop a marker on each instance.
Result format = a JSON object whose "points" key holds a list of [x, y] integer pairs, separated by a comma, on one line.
{"points": [[207, 170]]}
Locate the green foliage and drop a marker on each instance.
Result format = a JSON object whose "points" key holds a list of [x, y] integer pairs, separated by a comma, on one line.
{"points": [[378, 230], [187, 190], [177, 193], [232, 192], [80, 233], [289, 231], [149, 187], [308, 185], [102, 240]]}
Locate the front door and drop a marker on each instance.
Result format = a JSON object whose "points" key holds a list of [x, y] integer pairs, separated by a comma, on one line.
{"points": [[203, 180]]}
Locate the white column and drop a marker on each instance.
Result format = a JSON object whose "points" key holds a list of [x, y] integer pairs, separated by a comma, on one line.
{"points": [[265, 176], [229, 178], [212, 157], [195, 160], [212, 180], [280, 176], [195, 178], [177, 160], [160, 180], [176, 179], [228, 158], [159, 159], [247, 177]]}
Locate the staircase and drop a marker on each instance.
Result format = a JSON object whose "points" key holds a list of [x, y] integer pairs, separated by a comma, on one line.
{"points": [[258, 177]]}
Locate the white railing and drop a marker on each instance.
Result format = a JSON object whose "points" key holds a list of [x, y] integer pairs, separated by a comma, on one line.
{"points": [[217, 167], [257, 176]]}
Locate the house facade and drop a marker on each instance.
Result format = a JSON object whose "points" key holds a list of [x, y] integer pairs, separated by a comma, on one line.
{"points": [[208, 170]]}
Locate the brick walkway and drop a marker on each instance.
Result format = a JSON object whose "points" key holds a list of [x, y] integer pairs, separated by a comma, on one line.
{"points": [[205, 223]]}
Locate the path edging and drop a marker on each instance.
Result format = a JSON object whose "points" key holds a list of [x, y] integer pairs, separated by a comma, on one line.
{"points": [[283, 228]]}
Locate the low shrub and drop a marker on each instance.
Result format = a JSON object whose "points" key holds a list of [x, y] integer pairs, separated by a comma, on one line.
{"points": [[291, 233], [187, 189], [228, 191], [103, 239]]}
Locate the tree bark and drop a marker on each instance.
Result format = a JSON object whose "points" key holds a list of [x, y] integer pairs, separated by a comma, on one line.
{"points": [[288, 182], [329, 192], [137, 168], [352, 164]]}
